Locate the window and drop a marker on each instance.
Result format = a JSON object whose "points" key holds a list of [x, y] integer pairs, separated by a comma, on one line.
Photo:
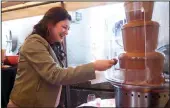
{"points": [[93, 36], [98, 34]]}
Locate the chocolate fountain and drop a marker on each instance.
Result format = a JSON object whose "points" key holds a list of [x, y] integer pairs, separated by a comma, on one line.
{"points": [[139, 81]]}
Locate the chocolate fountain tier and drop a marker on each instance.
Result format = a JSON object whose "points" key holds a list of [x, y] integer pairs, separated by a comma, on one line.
{"points": [[138, 77], [154, 61], [141, 68], [140, 36], [138, 11]]}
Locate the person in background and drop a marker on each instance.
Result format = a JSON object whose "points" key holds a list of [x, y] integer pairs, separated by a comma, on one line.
{"points": [[41, 71]]}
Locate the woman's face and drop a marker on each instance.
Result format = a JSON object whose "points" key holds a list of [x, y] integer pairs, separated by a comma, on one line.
{"points": [[60, 30]]}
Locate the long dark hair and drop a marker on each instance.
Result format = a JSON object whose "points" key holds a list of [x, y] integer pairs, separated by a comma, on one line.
{"points": [[52, 16]]}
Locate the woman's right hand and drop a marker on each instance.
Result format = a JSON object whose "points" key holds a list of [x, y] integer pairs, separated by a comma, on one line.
{"points": [[102, 65]]}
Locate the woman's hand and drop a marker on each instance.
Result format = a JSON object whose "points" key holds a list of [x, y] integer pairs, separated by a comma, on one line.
{"points": [[102, 65]]}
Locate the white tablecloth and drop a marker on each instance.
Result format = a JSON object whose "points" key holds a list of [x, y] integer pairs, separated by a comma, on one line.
{"points": [[100, 103]]}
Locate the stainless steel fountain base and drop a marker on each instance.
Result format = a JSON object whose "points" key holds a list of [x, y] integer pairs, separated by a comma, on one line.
{"points": [[132, 98], [140, 96]]}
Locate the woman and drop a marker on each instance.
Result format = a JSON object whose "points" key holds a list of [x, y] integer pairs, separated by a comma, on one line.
{"points": [[40, 71]]}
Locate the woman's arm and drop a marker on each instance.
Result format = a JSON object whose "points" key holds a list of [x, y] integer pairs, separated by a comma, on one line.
{"points": [[37, 55]]}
